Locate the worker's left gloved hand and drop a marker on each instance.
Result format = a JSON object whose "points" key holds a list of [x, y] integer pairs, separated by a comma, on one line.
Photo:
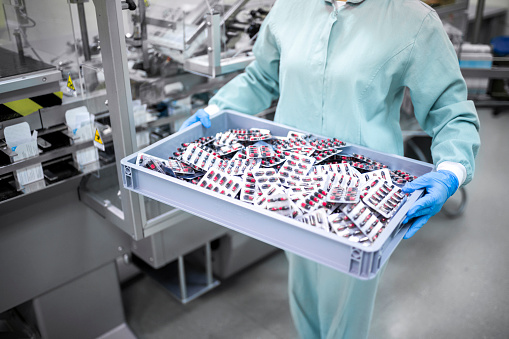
{"points": [[201, 116], [439, 186]]}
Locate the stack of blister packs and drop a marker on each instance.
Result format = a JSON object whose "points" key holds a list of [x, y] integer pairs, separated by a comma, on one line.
{"points": [[297, 176]]}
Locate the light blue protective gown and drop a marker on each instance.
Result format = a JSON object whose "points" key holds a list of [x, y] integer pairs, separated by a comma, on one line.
{"points": [[341, 72]]}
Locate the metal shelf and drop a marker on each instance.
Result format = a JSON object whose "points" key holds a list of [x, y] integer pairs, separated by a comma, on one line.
{"points": [[491, 73]]}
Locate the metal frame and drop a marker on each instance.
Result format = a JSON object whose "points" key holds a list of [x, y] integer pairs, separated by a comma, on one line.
{"points": [[31, 84], [211, 64], [132, 217], [113, 49]]}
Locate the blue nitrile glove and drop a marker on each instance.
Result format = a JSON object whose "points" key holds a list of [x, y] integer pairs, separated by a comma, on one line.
{"points": [[439, 187], [200, 115]]}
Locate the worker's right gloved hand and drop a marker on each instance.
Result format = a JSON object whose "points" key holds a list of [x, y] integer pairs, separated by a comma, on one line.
{"points": [[201, 116]]}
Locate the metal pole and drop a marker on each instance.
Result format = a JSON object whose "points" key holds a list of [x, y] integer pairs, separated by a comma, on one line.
{"points": [[478, 21], [214, 43], [118, 88], [19, 44], [144, 36], [83, 29], [182, 279], [208, 263]]}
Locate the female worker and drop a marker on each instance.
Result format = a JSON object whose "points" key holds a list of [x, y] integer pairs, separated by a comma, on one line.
{"points": [[339, 69]]}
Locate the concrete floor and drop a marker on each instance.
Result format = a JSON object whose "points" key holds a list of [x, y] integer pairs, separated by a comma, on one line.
{"points": [[450, 280]]}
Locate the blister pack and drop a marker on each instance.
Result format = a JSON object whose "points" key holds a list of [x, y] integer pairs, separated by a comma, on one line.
{"points": [[325, 144], [345, 228], [339, 194], [321, 156], [317, 218], [345, 181], [279, 203], [383, 174], [199, 142], [261, 151], [252, 136], [277, 159], [239, 166], [401, 177], [229, 149], [221, 183], [179, 168], [199, 158], [294, 168], [151, 162], [250, 190], [266, 179], [312, 200], [318, 180], [384, 198], [365, 219]]}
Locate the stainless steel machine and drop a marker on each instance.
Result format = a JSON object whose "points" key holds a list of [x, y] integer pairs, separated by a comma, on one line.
{"points": [[67, 241]]}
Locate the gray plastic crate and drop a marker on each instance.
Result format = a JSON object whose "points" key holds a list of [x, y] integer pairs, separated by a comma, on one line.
{"points": [[326, 248]]}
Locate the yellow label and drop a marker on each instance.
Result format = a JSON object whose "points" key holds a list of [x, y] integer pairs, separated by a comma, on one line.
{"points": [[97, 137], [70, 85]]}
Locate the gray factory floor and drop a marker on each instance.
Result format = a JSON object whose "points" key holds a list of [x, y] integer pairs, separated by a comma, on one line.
{"points": [[451, 280]]}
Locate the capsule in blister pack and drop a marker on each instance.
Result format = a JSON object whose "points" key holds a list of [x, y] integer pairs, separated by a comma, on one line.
{"points": [[292, 143], [198, 158], [273, 161], [261, 200], [340, 222], [340, 194], [384, 198], [345, 181], [401, 177], [319, 169], [259, 151], [266, 180], [361, 166], [312, 201], [383, 174], [320, 181], [365, 219], [279, 203], [317, 218], [151, 162], [296, 135], [344, 227], [260, 130], [294, 168], [303, 150], [253, 136], [238, 167], [249, 192], [321, 156], [221, 164], [228, 149], [203, 141], [219, 182], [325, 144]]}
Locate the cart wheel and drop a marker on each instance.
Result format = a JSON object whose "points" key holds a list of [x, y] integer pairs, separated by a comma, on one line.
{"points": [[452, 209]]}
